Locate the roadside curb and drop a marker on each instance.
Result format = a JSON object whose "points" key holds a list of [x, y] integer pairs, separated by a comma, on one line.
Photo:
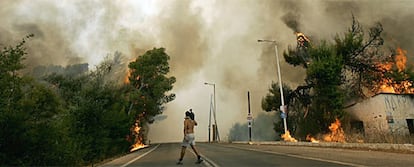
{"points": [[400, 148]]}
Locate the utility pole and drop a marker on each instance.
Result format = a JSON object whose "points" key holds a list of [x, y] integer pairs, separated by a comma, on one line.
{"points": [[216, 135], [249, 117], [209, 118], [282, 107]]}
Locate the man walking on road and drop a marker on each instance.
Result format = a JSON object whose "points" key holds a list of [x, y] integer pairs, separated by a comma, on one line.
{"points": [[189, 138]]}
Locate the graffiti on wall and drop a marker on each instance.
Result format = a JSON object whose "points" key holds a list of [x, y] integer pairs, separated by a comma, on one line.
{"points": [[393, 103]]}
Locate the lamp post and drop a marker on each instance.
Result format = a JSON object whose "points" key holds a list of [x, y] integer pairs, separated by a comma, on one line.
{"points": [[209, 118], [214, 111], [282, 108]]}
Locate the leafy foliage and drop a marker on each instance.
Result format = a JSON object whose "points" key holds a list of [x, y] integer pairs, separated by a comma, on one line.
{"points": [[325, 73], [29, 112], [71, 116], [97, 120], [149, 83], [360, 58], [272, 101], [337, 73], [10, 81]]}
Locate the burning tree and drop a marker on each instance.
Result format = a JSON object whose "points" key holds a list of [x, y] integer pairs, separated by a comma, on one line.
{"points": [[353, 67], [393, 74], [148, 85]]}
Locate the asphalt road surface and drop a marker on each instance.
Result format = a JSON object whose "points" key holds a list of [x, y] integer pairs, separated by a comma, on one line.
{"points": [[224, 155]]}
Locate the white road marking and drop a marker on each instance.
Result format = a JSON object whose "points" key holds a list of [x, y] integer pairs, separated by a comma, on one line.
{"points": [[140, 156], [302, 157], [208, 162]]}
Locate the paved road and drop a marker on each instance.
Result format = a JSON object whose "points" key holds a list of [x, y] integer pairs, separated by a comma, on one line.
{"points": [[261, 155]]}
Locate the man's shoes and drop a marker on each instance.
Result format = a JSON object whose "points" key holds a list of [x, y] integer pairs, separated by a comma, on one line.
{"points": [[179, 162], [199, 160]]}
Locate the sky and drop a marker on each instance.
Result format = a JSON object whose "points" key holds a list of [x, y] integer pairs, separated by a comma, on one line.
{"points": [[211, 41]]}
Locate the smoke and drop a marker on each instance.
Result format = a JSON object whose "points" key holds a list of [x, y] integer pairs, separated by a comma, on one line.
{"points": [[208, 41], [292, 16], [260, 130], [291, 20]]}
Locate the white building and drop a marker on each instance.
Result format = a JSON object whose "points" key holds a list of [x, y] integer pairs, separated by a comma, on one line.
{"points": [[385, 112]]}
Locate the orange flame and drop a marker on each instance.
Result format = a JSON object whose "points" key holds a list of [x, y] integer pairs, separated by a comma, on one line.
{"points": [[138, 139], [287, 137], [311, 139], [388, 85], [337, 133], [400, 59], [301, 36], [303, 41], [126, 78], [128, 74]]}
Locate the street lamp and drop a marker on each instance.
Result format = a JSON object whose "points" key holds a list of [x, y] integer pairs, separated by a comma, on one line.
{"points": [[214, 113], [282, 108], [209, 118]]}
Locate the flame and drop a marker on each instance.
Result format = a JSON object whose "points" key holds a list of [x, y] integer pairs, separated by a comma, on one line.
{"points": [[388, 85], [300, 35], [386, 88], [337, 133], [385, 83], [138, 138], [128, 74], [126, 78], [287, 137], [400, 59], [311, 139], [302, 39]]}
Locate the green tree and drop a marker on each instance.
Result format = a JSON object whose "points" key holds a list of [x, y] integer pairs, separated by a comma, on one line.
{"points": [[148, 89], [43, 137], [97, 120], [336, 73], [10, 80], [325, 74], [360, 59], [149, 84], [29, 116], [272, 102]]}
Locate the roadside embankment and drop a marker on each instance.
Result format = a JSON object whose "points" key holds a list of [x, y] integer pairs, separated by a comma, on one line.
{"points": [[400, 148]]}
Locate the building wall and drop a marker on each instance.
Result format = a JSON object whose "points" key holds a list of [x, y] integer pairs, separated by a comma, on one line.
{"points": [[384, 113]]}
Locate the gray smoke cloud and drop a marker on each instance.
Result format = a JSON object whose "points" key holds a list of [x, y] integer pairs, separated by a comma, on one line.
{"points": [[208, 41]]}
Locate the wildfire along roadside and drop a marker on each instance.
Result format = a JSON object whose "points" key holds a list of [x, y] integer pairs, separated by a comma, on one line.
{"points": [[398, 148]]}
